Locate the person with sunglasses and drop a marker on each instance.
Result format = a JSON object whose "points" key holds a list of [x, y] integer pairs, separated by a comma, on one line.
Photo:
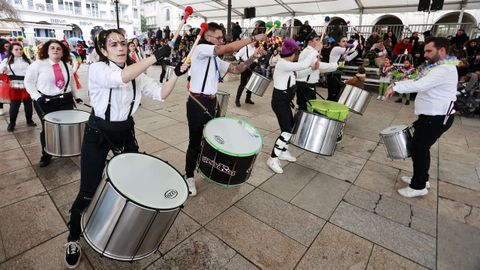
{"points": [[206, 72]]}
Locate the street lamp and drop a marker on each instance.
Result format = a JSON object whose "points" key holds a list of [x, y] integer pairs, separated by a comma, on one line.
{"points": [[117, 11]]}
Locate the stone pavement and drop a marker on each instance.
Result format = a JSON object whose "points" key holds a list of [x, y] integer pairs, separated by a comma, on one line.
{"points": [[340, 212]]}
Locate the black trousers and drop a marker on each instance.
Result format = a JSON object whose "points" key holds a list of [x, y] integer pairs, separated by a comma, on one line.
{"points": [[95, 149], [305, 92], [244, 77], [334, 86], [14, 108], [164, 71], [427, 131], [197, 118], [281, 105], [54, 105]]}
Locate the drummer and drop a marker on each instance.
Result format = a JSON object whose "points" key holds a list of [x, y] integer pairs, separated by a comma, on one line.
{"points": [[49, 81], [343, 52], [116, 85], [436, 88], [283, 93], [308, 78], [206, 73], [15, 67], [243, 55]]}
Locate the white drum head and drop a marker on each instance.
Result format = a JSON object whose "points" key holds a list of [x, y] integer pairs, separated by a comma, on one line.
{"points": [[233, 137], [393, 129], [147, 180], [67, 117]]}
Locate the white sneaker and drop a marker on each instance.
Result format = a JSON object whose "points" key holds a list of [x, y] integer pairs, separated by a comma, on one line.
{"points": [[411, 193], [286, 155], [408, 180], [379, 97], [274, 164], [1, 112], [383, 97], [191, 186]]}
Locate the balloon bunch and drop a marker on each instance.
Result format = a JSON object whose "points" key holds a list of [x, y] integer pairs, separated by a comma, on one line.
{"points": [[272, 26]]}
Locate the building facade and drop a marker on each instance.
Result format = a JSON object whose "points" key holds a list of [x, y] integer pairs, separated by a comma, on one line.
{"points": [[46, 19]]}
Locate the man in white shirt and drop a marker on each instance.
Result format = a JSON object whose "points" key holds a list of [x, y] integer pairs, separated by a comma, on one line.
{"points": [[206, 72], [308, 78], [243, 55], [436, 87]]}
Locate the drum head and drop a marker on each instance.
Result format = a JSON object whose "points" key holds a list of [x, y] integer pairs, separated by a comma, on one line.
{"points": [[147, 180], [234, 137], [67, 117], [393, 129]]}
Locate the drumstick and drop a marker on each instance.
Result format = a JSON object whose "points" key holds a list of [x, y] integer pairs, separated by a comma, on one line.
{"points": [[325, 25], [188, 11], [203, 28]]}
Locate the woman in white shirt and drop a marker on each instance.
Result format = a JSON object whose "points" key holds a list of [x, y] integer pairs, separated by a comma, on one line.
{"points": [[283, 94], [49, 81], [116, 86], [339, 54], [15, 67]]}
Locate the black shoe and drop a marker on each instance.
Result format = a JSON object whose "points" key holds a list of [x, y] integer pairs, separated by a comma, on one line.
{"points": [[45, 160], [31, 123], [73, 252], [249, 101], [407, 102], [398, 100], [10, 127], [237, 103]]}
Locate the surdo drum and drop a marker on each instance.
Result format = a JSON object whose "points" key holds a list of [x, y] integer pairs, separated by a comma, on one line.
{"points": [[397, 140], [64, 132], [222, 100], [257, 84], [134, 207], [229, 149]]}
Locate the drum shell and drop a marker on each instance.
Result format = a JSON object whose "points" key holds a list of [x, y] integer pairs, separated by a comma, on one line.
{"points": [[316, 133], [257, 84], [63, 140], [236, 169], [122, 230], [355, 98], [222, 99], [169, 72], [398, 145]]}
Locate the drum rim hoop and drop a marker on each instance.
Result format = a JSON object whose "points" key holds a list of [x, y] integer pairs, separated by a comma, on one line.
{"points": [[321, 115], [407, 127], [46, 120], [107, 177], [228, 152], [259, 76]]}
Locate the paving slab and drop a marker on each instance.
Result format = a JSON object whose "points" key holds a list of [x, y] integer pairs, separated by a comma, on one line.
{"points": [[282, 216], [362, 198], [201, 251], [424, 220], [288, 184], [165, 134], [405, 241], [174, 157], [336, 248], [150, 144], [8, 142], [28, 223], [458, 193], [453, 210], [48, 255], [356, 146], [378, 177], [155, 122], [64, 196], [346, 167], [18, 185], [61, 171], [239, 263], [259, 175], [12, 160], [458, 245], [322, 195], [213, 199], [384, 259], [395, 210], [183, 227], [261, 244], [461, 174], [457, 153]]}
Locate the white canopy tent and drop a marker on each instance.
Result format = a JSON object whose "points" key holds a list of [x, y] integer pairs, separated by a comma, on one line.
{"points": [[217, 9]]}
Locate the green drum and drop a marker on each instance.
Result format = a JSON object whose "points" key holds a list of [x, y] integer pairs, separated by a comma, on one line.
{"points": [[330, 109]]}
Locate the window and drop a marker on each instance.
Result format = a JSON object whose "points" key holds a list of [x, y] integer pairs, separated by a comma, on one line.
{"points": [[135, 13], [152, 20], [18, 2], [30, 4], [44, 32], [92, 9], [167, 15], [60, 5], [134, 3], [78, 7], [49, 5]]}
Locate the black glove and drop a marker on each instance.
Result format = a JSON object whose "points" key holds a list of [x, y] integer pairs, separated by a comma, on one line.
{"points": [[41, 100], [178, 69], [162, 52], [78, 100]]}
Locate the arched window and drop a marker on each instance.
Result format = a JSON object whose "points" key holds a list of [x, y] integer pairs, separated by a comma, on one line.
{"points": [[167, 14]]}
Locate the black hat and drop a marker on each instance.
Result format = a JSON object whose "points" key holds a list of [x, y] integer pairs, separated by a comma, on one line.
{"points": [[310, 36]]}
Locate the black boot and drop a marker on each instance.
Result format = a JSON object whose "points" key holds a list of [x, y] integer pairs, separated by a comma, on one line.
{"points": [[237, 103], [10, 127], [45, 160], [249, 98]]}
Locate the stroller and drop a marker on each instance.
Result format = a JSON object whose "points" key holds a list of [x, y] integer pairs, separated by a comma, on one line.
{"points": [[468, 96]]}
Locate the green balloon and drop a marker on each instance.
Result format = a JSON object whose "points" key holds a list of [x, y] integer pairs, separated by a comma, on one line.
{"points": [[268, 25], [277, 23]]}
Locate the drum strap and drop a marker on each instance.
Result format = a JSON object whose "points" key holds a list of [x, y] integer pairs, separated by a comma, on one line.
{"points": [[206, 74], [14, 76], [107, 111]]}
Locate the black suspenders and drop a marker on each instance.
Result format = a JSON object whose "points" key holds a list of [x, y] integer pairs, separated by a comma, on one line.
{"points": [[107, 111]]}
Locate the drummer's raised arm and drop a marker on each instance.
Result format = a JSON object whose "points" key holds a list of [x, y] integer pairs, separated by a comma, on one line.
{"points": [[237, 69], [237, 45]]}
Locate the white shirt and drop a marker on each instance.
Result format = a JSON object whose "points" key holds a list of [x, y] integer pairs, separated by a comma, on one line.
{"points": [[40, 78], [338, 51], [310, 53], [245, 52], [200, 57], [102, 77], [436, 90], [19, 66], [284, 70]]}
